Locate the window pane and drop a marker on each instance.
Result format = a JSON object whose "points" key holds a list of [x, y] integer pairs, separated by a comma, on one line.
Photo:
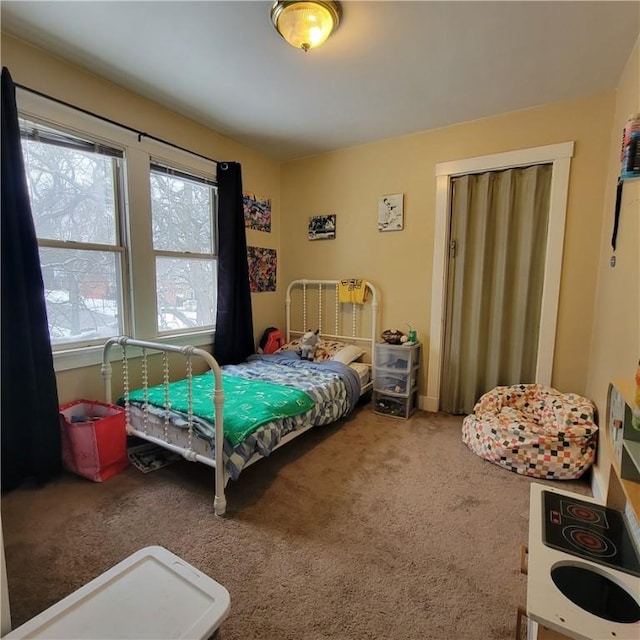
{"points": [[186, 293], [181, 212], [72, 193], [82, 294]]}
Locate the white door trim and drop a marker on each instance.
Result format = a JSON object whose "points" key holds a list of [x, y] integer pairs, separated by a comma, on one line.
{"points": [[560, 156]]}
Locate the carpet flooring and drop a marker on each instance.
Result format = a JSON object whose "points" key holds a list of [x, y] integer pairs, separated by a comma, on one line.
{"points": [[371, 528]]}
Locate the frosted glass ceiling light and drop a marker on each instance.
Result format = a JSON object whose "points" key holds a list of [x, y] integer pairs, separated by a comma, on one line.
{"points": [[305, 25]]}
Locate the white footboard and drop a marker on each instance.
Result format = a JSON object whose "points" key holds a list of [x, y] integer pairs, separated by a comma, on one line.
{"points": [[162, 436]]}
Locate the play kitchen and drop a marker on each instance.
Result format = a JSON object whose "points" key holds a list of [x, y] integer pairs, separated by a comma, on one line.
{"points": [[583, 569], [583, 556]]}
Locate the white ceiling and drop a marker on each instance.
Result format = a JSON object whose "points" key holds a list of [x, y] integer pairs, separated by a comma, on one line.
{"points": [[392, 68]]}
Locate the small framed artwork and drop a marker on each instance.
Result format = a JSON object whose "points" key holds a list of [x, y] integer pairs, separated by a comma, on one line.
{"points": [[257, 212], [262, 269], [322, 227], [390, 212]]}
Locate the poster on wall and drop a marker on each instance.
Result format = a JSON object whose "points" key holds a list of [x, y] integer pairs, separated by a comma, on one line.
{"points": [[257, 212], [262, 269], [390, 213], [322, 227]]}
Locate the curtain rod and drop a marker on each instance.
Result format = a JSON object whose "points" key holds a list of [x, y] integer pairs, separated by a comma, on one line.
{"points": [[139, 133]]}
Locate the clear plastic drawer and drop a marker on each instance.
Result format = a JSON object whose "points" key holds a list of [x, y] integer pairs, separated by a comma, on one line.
{"points": [[393, 406], [393, 357], [392, 382]]}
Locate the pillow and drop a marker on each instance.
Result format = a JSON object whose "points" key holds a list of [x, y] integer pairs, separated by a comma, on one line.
{"points": [[325, 350], [348, 354], [294, 345]]}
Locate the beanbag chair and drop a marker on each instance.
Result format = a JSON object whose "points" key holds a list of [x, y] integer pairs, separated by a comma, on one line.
{"points": [[533, 430]]}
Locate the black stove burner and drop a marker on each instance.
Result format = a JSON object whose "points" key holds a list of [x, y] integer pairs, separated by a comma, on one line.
{"points": [[582, 513], [588, 531], [591, 543]]}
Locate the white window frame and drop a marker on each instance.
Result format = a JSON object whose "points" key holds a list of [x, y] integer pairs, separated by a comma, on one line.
{"points": [[213, 256], [139, 275], [117, 248]]}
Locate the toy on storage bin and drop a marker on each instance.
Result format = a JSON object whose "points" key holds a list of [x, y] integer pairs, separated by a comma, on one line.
{"points": [[393, 336], [411, 337], [308, 344]]}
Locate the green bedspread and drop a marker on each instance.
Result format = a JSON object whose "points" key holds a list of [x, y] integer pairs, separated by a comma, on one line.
{"points": [[248, 404]]}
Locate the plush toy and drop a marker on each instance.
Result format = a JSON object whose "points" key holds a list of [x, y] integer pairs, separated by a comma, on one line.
{"points": [[392, 336], [308, 344]]}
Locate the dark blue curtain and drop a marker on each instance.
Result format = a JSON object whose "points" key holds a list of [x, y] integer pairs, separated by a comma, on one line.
{"points": [[234, 324], [29, 401]]}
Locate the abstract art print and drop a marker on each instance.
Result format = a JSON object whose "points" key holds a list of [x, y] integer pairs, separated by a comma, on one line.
{"points": [[257, 212], [390, 213], [262, 269], [322, 227]]}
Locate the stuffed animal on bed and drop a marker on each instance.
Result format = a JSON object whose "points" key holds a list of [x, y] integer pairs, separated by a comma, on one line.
{"points": [[308, 344]]}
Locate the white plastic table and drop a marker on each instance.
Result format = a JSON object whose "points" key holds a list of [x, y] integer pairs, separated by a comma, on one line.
{"points": [[152, 594]]}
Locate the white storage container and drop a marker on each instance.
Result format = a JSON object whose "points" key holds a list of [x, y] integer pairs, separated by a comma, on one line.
{"points": [[152, 594]]}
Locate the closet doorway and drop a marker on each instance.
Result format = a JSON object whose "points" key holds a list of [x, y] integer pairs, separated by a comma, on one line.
{"points": [[489, 263]]}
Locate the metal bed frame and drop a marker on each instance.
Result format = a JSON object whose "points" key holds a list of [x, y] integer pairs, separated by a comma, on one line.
{"points": [[160, 432]]}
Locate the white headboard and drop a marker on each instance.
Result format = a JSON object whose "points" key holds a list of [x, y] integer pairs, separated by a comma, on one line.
{"points": [[315, 304]]}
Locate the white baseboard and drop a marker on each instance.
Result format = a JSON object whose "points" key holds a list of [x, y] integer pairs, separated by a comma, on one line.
{"points": [[427, 403]]}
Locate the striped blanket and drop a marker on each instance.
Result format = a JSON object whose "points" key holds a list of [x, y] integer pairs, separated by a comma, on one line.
{"points": [[333, 388]]}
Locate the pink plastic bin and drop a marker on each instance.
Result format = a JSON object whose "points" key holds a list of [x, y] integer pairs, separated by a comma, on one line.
{"points": [[94, 439]]}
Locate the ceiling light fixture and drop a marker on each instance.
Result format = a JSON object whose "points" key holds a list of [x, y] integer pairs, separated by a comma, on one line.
{"points": [[305, 24]]}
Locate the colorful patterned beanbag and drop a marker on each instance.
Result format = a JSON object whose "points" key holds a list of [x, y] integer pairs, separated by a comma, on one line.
{"points": [[533, 430]]}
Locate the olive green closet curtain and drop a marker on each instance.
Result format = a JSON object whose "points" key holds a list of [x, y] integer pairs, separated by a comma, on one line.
{"points": [[499, 224]]}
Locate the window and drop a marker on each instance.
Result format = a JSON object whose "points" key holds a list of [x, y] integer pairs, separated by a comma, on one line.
{"points": [[126, 230], [75, 187], [182, 212]]}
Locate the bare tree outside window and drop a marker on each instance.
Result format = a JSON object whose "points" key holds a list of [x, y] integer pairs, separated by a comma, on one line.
{"points": [[182, 209], [73, 194], [77, 194]]}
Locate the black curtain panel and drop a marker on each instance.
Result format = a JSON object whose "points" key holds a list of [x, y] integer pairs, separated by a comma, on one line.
{"points": [[234, 324], [29, 402]]}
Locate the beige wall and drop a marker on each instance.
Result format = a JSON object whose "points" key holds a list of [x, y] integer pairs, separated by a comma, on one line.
{"points": [[349, 182], [615, 346], [38, 70]]}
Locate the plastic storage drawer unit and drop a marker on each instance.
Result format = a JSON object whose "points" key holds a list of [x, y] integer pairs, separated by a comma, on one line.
{"points": [[152, 594], [395, 379]]}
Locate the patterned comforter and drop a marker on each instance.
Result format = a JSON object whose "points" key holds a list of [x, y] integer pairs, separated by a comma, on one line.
{"points": [[333, 387]]}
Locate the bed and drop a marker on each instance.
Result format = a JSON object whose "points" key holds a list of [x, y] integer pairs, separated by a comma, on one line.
{"points": [[263, 403]]}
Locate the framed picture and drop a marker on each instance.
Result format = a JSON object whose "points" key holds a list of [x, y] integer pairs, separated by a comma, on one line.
{"points": [[257, 212], [390, 212], [262, 269], [322, 227]]}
